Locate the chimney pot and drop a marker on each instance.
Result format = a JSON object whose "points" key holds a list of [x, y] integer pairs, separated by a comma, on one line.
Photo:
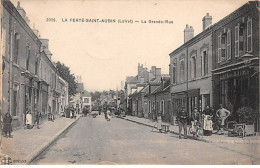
{"points": [[206, 21], [188, 33]]}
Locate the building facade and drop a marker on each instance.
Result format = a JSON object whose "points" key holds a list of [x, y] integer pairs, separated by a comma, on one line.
{"points": [[29, 77], [236, 60], [190, 72]]}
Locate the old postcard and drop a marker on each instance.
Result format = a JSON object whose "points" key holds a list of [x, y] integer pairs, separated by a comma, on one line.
{"points": [[129, 82]]}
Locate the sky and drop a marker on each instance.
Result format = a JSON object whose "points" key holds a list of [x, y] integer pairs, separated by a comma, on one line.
{"points": [[103, 54]]}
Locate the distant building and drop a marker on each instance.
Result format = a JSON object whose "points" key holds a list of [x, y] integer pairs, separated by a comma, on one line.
{"points": [[86, 100], [134, 84]]}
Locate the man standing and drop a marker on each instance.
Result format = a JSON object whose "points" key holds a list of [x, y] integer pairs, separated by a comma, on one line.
{"points": [[222, 114], [105, 110], [183, 119], [37, 119]]}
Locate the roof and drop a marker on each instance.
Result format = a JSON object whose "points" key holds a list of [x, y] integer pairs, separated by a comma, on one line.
{"points": [[86, 94], [47, 51], [155, 81], [157, 90]]}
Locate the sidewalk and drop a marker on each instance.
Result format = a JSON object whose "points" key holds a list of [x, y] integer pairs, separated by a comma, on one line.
{"points": [[214, 138], [26, 144]]}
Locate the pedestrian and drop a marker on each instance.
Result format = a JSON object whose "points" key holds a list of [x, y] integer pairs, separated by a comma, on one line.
{"points": [[222, 114], [7, 125], [37, 119], [50, 117], [159, 122], [183, 119], [72, 112], [195, 122], [28, 121], [207, 111], [105, 110]]}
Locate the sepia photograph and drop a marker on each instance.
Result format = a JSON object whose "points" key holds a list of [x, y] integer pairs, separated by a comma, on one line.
{"points": [[129, 82]]}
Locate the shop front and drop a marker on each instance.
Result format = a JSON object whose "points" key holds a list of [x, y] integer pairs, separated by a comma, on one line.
{"points": [[236, 88]]}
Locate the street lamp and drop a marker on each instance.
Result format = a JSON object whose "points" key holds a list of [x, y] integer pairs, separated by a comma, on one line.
{"points": [[248, 58]]}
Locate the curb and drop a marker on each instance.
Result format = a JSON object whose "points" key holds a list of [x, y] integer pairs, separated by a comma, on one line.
{"points": [[176, 133], [237, 141], [43, 147]]}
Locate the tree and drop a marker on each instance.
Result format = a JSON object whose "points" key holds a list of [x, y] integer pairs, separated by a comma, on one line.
{"points": [[65, 73], [95, 95]]}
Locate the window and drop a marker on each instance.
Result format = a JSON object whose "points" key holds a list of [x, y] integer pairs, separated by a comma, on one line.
{"points": [[204, 62], [14, 111], [239, 41], [236, 41], [193, 67], [153, 105], [229, 44], [16, 48], [219, 48], [28, 57], [36, 65], [223, 48], [182, 72], [86, 100], [173, 75], [249, 35], [162, 107], [174, 72]]}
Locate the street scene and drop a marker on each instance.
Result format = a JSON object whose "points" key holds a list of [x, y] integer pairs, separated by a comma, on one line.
{"points": [[96, 141], [121, 82]]}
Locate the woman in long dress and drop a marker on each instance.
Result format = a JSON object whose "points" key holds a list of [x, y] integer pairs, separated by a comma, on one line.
{"points": [[28, 120], [7, 125], [159, 122]]}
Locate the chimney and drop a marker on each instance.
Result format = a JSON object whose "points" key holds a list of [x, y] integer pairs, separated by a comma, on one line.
{"points": [[22, 12], [36, 32], [188, 33], [206, 21]]}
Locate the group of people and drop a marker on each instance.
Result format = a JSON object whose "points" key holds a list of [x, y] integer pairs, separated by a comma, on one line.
{"points": [[29, 121], [7, 123], [69, 112], [182, 116]]}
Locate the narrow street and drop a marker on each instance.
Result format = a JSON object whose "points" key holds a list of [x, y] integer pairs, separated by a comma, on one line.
{"points": [[97, 141]]}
